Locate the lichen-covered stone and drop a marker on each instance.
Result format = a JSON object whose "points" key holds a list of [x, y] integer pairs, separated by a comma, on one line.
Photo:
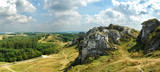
{"points": [[93, 45], [73, 42], [101, 39], [150, 35], [148, 27]]}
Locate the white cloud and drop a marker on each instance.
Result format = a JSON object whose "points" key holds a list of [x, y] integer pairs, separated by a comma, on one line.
{"points": [[93, 0], [10, 11], [24, 6], [130, 13], [19, 19], [64, 12]]}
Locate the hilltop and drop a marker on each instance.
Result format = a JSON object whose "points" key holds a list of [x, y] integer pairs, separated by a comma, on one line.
{"points": [[118, 48], [110, 48]]}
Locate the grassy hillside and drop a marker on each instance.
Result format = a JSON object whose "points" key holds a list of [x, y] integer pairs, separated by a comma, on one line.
{"points": [[50, 63], [126, 59], [121, 61]]}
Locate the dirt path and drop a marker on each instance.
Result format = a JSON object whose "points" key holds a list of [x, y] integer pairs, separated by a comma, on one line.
{"points": [[20, 62], [64, 62], [8, 68], [125, 56], [65, 56], [142, 61]]}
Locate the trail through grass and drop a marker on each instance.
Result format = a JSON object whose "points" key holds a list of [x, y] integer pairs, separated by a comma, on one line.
{"points": [[121, 61], [118, 61], [45, 63], [51, 63]]}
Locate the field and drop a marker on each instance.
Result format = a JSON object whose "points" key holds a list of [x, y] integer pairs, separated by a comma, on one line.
{"points": [[120, 61], [50, 63], [1, 36]]}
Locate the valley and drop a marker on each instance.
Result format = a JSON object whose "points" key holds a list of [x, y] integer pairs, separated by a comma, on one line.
{"points": [[102, 49]]}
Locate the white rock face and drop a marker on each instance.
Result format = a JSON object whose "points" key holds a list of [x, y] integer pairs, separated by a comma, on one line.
{"points": [[148, 27], [97, 41], [93, 45], [73, 42]]}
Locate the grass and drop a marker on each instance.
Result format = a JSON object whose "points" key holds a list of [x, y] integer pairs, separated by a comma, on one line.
{"points": [[2, 69], [1, 63], [153, 67], [150, 20], [96, 64], [1, 37], [121, 60], [53, 63]]}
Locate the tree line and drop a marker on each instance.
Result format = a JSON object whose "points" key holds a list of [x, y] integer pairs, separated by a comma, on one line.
{"points": [[19, 48]]}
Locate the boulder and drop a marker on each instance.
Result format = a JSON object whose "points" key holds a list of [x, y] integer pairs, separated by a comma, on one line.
{"points": [[93, 46], [148, 27], [99, 40], [150, 35], [73, 42], [114, 35], [95, 29]]}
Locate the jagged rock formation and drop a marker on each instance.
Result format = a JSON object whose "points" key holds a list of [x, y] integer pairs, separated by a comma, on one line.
{"points": [[150, 35], [73, 42], [148, 27], [93, 45], [101, 39], [77, 40]]}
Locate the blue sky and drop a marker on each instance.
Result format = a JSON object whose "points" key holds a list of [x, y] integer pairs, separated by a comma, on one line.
{"points": [[74, 15]]}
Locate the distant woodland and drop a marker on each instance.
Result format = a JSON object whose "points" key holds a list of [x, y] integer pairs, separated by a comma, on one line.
{"points": [[17, 48]]}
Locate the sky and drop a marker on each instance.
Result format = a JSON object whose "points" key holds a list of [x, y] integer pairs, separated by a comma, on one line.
{"points": [[74, 15]]}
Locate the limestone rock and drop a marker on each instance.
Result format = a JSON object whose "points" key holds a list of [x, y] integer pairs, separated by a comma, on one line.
{"points": [[99, 40], [73, 42], [114, 35], [93, 45], [150, 35], [148, 27]]}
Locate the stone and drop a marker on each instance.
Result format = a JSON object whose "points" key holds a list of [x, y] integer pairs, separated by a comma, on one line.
{"points": [[73, 42], [150, 35], [95, 29], [148, 27], [92, 46], [97, 41], [114, 35], [128, 45]]}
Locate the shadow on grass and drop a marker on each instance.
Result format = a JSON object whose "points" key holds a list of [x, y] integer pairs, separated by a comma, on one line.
{"points": [[137, 47]]}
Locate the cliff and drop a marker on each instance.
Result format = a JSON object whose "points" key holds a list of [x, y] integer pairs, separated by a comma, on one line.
{"points": [[150, 35], [99, 40]]}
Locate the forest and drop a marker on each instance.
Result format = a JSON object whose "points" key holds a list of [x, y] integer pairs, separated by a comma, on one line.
{"points": [[17, 48]]}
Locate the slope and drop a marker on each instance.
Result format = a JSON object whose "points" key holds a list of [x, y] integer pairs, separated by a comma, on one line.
{"points": [[119, 60], [51, 63]]}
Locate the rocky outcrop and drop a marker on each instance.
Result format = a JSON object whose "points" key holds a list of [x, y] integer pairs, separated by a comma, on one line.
{"points": [[101, 39], [113, 34], [73, 42], [150, 35], [92, 46], [147, 28], [77, 40]]}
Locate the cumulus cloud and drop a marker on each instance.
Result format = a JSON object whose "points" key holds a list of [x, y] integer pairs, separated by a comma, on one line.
{"points": [[130, 13], [64, 13], [10, 12], [24, 6]]}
